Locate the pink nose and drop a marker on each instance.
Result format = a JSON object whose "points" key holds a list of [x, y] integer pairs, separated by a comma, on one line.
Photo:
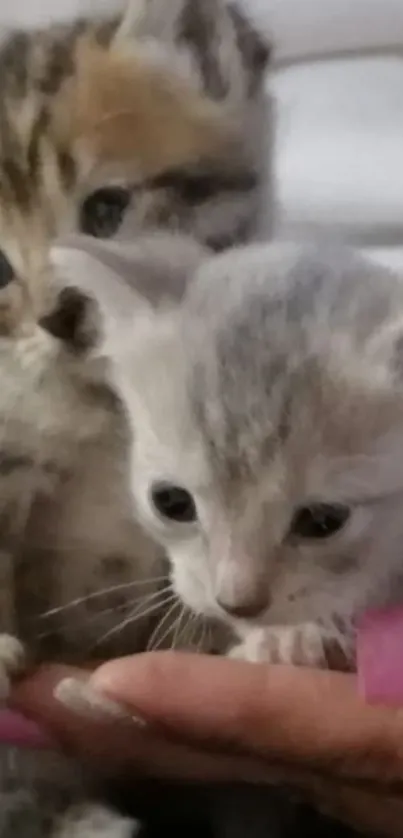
{"points": [[246, 609]]}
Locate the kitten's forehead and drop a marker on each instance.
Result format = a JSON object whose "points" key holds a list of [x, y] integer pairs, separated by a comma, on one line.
{"points": [[273, 334]]}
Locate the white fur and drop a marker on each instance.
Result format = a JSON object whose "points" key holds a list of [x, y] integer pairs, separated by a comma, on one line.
{"points": [[315, 589]]}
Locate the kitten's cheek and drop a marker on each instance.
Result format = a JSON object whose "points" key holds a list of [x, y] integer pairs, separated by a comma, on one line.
{"points": [[193, 590]]}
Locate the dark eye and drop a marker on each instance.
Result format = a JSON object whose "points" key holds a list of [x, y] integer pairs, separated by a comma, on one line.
{"points": [[103, 211], [6, 271], [174, 503], [191, 188], [321, 520], [198, 187]]}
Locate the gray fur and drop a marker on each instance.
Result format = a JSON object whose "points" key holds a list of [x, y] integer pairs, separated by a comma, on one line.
{"points": [[184, 374], [285, 390]]}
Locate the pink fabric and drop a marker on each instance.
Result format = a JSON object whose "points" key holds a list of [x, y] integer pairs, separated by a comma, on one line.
{"points": [[17, 730], [380, 656]]}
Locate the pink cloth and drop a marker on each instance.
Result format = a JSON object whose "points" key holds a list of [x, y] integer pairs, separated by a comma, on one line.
{"points": [[17, 730], [380, 656]]}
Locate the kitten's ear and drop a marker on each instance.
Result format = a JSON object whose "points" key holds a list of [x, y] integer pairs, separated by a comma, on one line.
{"points": [[159, 19], [254, 47], [129, 282], [216, 32], [156, 268], [137, 289]]}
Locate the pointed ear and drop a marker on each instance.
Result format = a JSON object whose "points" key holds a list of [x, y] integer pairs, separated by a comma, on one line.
{"points": [[138, 288], [130, 282], [159, 19], [156, 268], [254, 47], [222, 39]]}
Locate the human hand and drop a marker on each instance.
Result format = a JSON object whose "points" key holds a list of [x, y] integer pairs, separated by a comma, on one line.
{"points": [[218, 719]]}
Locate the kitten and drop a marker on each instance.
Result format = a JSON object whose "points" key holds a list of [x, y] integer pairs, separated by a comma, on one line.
{"points": [[80, 578], [80, 146], [157, 119], [196, 384], [269, 463], [81, 111], [103, 129]]}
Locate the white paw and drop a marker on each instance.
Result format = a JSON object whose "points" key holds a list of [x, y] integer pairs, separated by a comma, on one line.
{"points": [[302, 645], [12, 662]]}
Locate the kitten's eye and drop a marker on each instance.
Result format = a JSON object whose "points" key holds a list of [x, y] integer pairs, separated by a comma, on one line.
{"points": [[191, 188], [198, 187], [6, 271], [174, 503], [103, 211], [321, 520]]}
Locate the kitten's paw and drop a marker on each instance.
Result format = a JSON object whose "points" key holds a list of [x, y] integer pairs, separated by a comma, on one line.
{"points": [[94, 821], [303, 645], [13, 662]]}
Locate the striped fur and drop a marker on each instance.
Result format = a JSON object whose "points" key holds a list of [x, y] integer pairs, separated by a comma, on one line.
{"points": [[160, 107]]}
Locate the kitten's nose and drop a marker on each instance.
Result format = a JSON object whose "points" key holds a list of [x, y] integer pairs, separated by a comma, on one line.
{"points": [[246, 609]]}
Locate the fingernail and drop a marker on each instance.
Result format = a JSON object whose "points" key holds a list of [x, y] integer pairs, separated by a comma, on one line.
{"points": [[82, 699]]}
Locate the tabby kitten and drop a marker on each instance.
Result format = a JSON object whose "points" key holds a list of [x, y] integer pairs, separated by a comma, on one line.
{"points": [[85, 108], [106, 120], [102, 129]]}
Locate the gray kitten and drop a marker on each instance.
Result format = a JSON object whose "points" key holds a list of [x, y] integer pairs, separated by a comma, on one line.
{"points": [[268, 461], [151, 353]]}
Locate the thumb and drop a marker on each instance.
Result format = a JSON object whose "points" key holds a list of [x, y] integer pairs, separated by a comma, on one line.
{"points": [[288, 713]]}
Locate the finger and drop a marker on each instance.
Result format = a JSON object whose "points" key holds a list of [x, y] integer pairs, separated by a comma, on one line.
{"points": [[281, 712], [375, 815], [111, 750], [113, 747]]}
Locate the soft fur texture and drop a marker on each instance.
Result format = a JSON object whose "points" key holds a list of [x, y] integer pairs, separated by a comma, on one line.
{"points": [[144, 350], [85, 107], [166, 104], [279, 389], [103, 128], [79, 576]]}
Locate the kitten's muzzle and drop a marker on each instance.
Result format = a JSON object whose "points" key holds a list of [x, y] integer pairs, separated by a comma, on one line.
{"points": [[247, 609]]}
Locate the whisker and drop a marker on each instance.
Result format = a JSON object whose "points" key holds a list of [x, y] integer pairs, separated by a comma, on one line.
{"points": [[92, 618], [193, 632], [178, 627], [131, 619], [188, 629], [199, 644], [160, 625], [210, 636], [74, 603], [205, 642], [159, 640]]}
